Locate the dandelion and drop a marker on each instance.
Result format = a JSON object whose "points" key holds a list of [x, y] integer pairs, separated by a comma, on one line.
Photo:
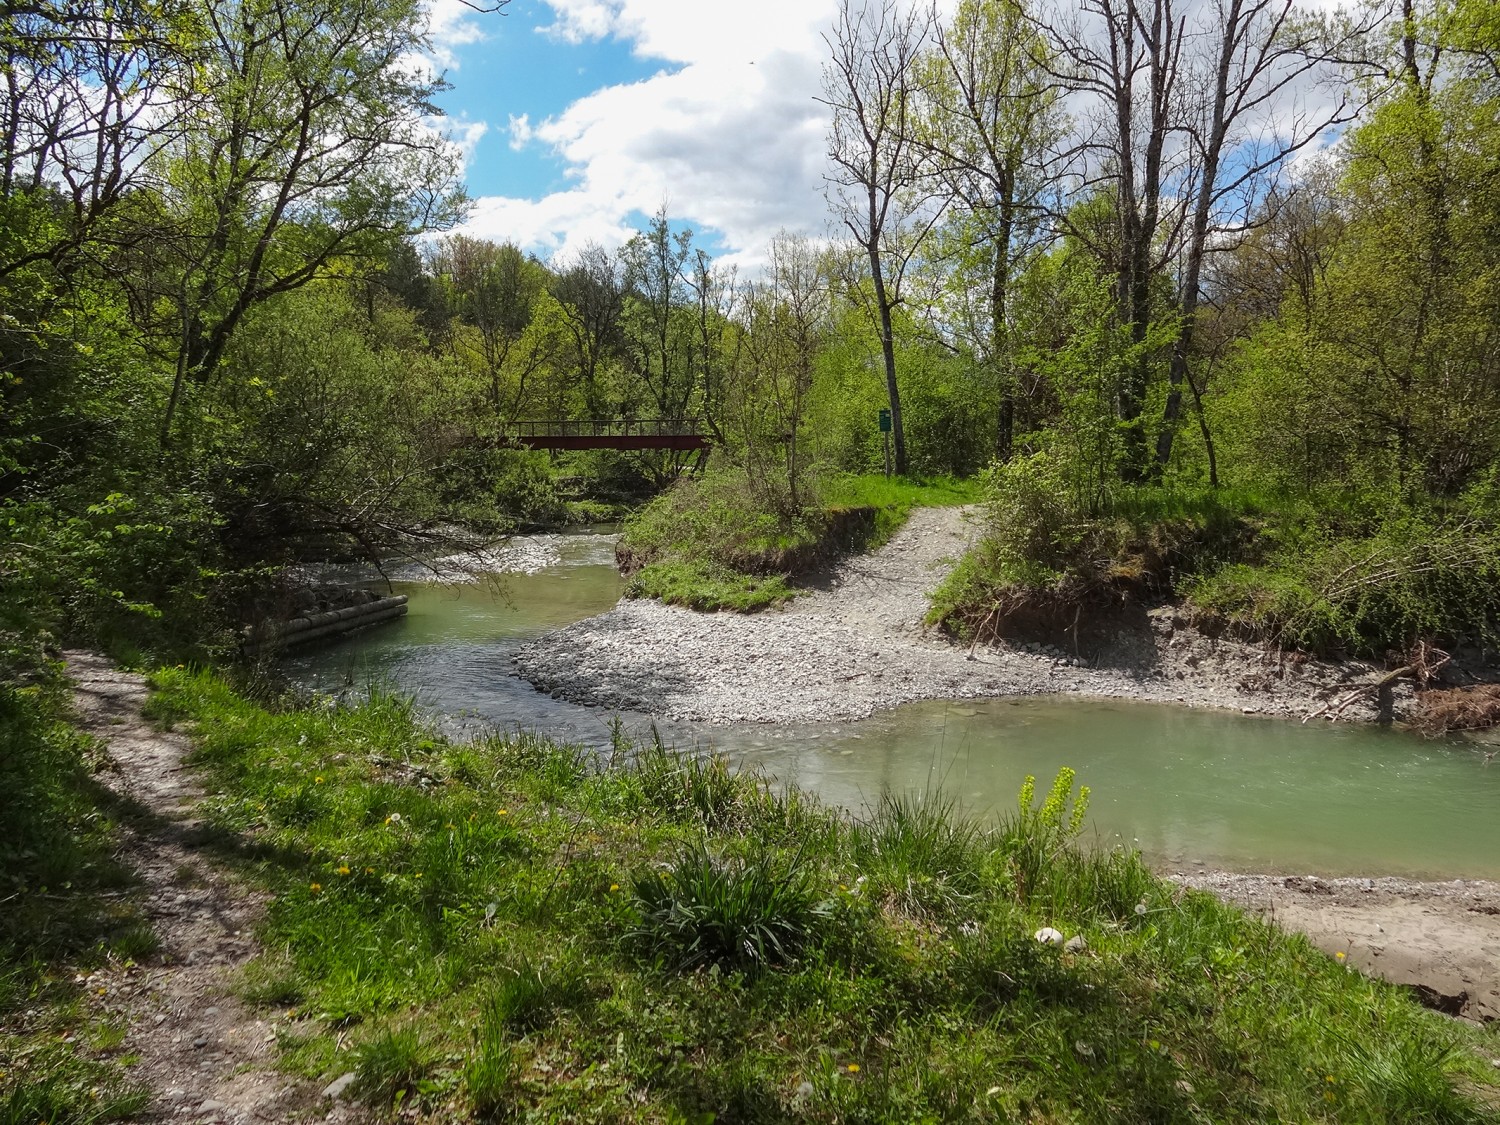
{"points": [[317, 781], [1339, 956], [343, 870], [1140, 909], [613, 887], [369, 871], [316, 888], [394, 818], [503, 812], [419, 874], [853, 1068]]}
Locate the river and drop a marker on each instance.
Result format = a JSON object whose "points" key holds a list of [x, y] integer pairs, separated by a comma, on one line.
{"points": [[1189, 788]]}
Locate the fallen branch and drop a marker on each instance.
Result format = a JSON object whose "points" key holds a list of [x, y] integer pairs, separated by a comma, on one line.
{"points": [[1421, 668]]}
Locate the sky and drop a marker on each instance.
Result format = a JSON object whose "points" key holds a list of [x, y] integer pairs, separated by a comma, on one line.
{"points": [[581, 118]]}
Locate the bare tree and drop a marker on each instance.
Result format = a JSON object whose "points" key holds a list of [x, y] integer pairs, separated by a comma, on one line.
{"points": [[988, 119], [1126, 57], [1247, 120], [82, 114], [869, 81]]}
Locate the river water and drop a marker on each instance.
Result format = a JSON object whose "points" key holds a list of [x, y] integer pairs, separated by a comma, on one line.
{"points": [[1187, 787]]}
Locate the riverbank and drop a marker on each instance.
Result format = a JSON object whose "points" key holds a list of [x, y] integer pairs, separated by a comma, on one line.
{"points": [[855, 643], [507, 926], [1441, 940]]}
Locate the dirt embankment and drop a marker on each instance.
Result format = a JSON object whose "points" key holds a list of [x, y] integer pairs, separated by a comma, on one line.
{"points": [[204, 1055]]}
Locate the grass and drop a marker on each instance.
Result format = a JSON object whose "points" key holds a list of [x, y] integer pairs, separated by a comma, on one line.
{"points": [[515, 929], [65, 912], [1336, 575], [709, 544]]}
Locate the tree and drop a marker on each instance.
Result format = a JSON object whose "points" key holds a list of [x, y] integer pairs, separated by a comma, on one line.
{"points": [[870, 83], [1242, 127], [305, 148], [494, 291], [592, 294], [989, 116], [785, 319]]}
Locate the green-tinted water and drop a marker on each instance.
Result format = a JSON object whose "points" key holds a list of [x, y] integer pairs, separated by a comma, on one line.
{"points": [[1185, 786]]}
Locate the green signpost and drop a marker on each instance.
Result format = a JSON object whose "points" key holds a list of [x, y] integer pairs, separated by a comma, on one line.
{"points": [[885, 434]]}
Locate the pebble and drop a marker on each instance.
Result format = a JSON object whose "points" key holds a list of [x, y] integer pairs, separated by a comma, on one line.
{"points": [[339, 1086], [199, 1043]]}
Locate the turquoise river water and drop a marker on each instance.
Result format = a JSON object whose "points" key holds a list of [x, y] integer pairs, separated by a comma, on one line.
{"points": [[1188, 787]]}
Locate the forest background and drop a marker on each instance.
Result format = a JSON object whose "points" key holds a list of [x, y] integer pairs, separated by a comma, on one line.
{"points": [[1209, 294]]}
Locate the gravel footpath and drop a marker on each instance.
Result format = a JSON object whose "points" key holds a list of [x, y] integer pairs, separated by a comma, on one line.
{"points": [[856, 644]]}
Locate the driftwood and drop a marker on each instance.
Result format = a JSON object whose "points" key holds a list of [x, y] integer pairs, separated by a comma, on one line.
{"points": [[1422, 668]]}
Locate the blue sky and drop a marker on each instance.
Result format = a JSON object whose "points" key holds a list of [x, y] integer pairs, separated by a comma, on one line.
{"points": [[581, 117]]}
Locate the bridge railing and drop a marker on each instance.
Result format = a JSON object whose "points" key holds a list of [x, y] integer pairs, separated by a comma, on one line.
{"points": [[604, 428]]}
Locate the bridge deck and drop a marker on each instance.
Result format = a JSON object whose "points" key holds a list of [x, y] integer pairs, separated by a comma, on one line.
{"points": [[606, 433]]}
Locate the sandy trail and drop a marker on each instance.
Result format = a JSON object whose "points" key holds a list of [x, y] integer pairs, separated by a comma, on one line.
{"points": [[203, 1054]]}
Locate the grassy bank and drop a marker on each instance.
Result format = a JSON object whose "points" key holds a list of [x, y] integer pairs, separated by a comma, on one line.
{"points": [[512, 930], [710, 544], [1336, 575], [65, 910]]}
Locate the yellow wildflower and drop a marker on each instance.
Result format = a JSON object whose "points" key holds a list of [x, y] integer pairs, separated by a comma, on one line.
{"points": [[343, 870], [315, 887], [854, 1068]]}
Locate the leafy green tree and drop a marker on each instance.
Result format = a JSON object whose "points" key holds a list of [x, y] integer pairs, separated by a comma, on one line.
{"points": [[989, 119], [305, 149]]}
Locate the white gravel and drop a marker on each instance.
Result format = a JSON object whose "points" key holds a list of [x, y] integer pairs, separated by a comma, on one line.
{"points": [[856, 644]]}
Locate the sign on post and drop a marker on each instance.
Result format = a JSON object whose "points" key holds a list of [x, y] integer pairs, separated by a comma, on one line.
{"points": [[885, 420], [885, 437]]}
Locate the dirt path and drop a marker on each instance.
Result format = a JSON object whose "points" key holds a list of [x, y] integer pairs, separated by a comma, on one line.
{"points": [[205, 1056], [856, 644]]}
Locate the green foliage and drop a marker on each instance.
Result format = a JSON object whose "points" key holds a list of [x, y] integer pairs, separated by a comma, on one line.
{"points": [[709, 588], [918, 850], [391, 1065], [1406, 579], [481, 915], [64, 912]]}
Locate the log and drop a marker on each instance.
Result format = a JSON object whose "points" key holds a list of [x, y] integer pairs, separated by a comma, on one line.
{"points": [[316, 626]]}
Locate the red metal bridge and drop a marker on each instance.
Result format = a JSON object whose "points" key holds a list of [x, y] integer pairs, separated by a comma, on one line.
{"points": [[609, 433]]}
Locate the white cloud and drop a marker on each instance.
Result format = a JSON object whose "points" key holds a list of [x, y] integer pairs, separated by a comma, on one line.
{"points": [[579, 20], [451, 25], [520, 131], [732, 139]]}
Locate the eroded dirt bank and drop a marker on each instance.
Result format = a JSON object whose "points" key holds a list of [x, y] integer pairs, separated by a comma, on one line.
{"points": [[204, 1055], [856, 644]]}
